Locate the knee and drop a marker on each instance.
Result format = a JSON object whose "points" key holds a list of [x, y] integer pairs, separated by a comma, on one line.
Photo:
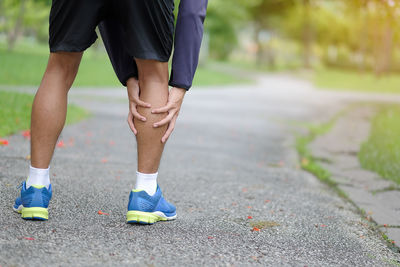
{"points": [[64, 65], [152, 71]]}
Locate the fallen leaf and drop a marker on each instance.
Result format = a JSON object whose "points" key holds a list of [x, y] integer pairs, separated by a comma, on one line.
{"points": [[61, 144], [112, 143], [249, 207], [28, 157], [304, 162], [210, 237], [102, 213], [323, 225], [256, 229], [249, 217], [263, 224], [104, 160], [3, 142], [267, 201], [29, 238], [385, 225]]}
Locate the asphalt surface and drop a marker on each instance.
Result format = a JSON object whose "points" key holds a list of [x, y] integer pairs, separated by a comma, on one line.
{"points": [[230, 157]]}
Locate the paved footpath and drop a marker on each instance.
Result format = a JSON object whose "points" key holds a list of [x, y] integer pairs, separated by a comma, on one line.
{"points": [[231, 157]]}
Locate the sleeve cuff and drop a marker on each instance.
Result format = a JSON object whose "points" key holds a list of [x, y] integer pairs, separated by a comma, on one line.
{"points": [[173, 84]]}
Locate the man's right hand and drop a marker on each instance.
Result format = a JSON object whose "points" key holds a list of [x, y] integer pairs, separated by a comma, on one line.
{"points": [[132, 86]]}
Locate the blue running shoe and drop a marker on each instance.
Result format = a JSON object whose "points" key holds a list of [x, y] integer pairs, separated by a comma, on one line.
{"points": [[146, 209], [33, 202]]}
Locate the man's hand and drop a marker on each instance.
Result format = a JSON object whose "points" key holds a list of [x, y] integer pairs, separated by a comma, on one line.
{"points": [[175, 99], [132, 86]]}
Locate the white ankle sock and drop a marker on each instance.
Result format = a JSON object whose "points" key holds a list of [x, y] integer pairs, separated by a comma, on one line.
{"points": [[146, 182], [38, 177]]}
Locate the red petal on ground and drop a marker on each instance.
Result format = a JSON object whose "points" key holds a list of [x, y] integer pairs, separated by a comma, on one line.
{"points": [[29, 238], [385, 225], [210, 237], [26, 134], [3, 142], [266, 201], [104, 160], [249, 217], [255, 229], [102, 213], [249, 207], [61, 144], [112, 143], [323, 225]]}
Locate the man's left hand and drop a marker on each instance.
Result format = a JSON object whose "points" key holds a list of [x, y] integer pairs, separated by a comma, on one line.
{"points": [[173, 106]]}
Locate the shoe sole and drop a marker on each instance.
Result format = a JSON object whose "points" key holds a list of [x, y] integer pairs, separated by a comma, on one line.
{"points": [[141, 217], [35, 213]]}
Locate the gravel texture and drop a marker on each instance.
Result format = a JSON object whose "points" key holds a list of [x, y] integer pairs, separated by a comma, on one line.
{"points": [[230, 157]]}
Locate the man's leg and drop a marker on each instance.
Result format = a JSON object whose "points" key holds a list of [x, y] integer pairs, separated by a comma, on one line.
{"points": [[48, 117], [50, 107], [153, 83]]}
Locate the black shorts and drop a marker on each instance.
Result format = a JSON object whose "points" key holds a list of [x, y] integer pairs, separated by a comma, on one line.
{"points": [[148, 25]]}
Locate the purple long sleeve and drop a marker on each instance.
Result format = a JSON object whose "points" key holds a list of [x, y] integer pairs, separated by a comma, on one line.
{"points": [[188, 37]]}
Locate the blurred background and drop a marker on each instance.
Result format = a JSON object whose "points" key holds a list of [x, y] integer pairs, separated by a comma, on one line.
{"points": [[341, 43], [323, 50]]}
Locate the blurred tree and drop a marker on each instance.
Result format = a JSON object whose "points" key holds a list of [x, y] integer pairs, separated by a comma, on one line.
{"points": [[24, 17], [223, 19], [267, 15]]}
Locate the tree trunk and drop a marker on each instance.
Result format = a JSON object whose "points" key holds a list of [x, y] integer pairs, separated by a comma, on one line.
{"points": [[307, 34], [259, 52], [384, 49], [17, 30]]}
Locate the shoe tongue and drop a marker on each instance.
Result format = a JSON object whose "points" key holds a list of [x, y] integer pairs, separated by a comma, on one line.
{"points": [[137, 190], [37, 186]]}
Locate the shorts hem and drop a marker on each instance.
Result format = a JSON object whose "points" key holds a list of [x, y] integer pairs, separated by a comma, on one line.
{"points": [[70, 48], [151, 56]]}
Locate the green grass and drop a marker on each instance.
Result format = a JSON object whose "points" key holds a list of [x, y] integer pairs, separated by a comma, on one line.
{"points": [[15, 112], [345, 80], [381, 152], [312, 164], [26, 64]]}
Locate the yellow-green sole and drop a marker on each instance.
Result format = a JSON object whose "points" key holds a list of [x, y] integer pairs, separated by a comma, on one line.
{"points": [[134, 216], [35, 213]]}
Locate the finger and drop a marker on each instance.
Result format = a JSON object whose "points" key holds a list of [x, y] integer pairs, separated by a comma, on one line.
{"points": [[171, 127], [165, 120], [135, 113], [163, 109], [141, 103], [130, 123]]}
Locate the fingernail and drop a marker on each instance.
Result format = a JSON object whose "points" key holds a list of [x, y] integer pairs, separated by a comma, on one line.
{"points": [[152, 111], [155, 125], [143, 119]]}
